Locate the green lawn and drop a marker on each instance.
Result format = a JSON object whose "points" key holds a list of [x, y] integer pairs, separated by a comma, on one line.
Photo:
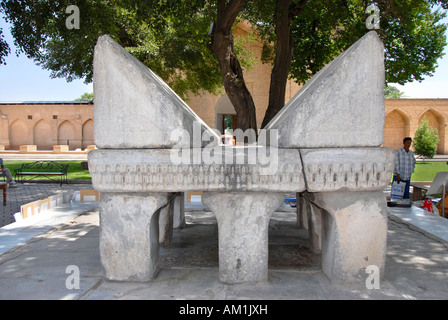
{"points": [[428, 170], [75, 172]]}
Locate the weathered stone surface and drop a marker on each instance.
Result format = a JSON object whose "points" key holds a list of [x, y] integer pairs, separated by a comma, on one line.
{"points": [[153, 170], [301, 212], [179, 211], [352, 169], [354, 233], [134, 108], [314, 219], [129, 235], [342, 105], [243, 222]]}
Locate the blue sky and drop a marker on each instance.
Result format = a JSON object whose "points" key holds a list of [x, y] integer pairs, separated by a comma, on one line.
{"points": [[22, 80], [432, 87]]}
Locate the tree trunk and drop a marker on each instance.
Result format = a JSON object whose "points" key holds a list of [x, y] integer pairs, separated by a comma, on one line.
{"points": [[284, 49], [231, 71], [283, 54]]}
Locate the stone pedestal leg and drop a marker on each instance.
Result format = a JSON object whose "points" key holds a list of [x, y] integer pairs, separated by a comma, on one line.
{"points": [[354, 233], [166, 224], [171, 216], [243, 222], [302, 217], [129, 235], [179, 211], [314, 219]]}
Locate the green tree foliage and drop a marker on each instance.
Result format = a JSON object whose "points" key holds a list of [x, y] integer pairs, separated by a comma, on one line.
{"points": [[4, 49], [391, 92], [425, 140], [170, 37], [411, 31], [85, 97]]}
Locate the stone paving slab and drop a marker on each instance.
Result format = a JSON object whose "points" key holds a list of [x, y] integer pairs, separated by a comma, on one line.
{"points": [[433, 226]]}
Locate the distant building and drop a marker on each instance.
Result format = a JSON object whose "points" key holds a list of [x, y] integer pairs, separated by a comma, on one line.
{"points": [[46, 123]]}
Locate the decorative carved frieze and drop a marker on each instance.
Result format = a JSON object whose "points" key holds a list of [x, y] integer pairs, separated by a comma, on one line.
{"points": [[354, 169], [153, 170]]}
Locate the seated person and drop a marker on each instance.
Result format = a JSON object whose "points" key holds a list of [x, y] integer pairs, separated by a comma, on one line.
{"points": [[5, 172]]}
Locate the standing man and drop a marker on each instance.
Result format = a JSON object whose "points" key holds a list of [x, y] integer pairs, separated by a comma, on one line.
{"points": [[404, 165]]}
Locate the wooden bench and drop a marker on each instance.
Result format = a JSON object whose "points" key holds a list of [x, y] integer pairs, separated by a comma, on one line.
{"points": [[47, 169]]}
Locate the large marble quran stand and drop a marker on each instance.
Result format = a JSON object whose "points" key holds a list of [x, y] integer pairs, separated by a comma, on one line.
{"points": [[323, 145]]}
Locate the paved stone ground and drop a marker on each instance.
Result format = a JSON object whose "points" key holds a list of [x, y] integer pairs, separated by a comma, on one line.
{"points": [[29, 192], [416, 267]]}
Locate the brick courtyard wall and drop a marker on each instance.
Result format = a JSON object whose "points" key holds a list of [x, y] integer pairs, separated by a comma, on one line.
{"points": [[46, 124], [403, 116]]}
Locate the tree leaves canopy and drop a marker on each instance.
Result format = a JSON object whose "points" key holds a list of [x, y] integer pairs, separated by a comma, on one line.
{"points": [[170, 36], [4, 48], [411, 30], [414, 39], [391, 92]]}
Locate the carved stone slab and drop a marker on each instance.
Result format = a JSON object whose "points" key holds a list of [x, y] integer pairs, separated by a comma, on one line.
{"points": [[354, 169], [342, 105], [134, 108]]}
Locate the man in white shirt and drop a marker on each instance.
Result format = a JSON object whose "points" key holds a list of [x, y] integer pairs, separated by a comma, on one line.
{"points": [[404, 165]]}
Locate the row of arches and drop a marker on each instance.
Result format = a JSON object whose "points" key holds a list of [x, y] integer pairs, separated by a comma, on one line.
{"points": [[399, 124], [45, 136], [402, 119]]}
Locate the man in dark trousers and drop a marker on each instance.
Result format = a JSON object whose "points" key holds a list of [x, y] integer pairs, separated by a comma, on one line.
{"points": [[404, 165]]}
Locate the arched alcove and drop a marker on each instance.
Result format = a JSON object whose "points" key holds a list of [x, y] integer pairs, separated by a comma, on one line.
{"points": [[224, 108], [66, 132], [18, 132], [42, 135], [87, 134], [396, 127], [437, 121]]}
